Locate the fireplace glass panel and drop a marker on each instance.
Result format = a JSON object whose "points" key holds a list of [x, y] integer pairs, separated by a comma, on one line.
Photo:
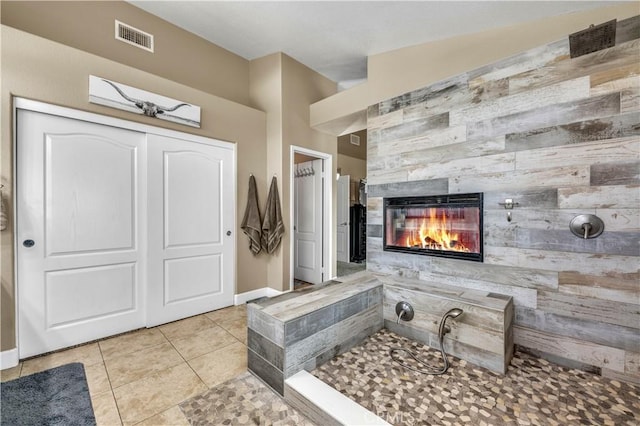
{"points": [[445, 226]]}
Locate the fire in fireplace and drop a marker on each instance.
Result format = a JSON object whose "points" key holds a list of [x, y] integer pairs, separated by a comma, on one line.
{"points": [[441, 225]]}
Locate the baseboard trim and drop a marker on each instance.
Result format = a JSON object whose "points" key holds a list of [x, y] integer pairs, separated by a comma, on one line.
{"points": [[9, 358], [243, 298]]}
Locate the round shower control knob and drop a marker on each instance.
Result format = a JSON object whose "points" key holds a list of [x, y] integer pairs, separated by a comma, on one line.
{"points": [[404, 311]]}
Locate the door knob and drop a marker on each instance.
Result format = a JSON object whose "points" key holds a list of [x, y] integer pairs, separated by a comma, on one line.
{"points": [[228, 233], [28, 243]]}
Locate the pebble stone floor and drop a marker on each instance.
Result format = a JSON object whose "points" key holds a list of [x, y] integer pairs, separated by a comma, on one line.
{"points": [[244, 400], [533, 392]]}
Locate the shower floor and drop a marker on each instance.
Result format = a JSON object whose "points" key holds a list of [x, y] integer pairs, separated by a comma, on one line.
{"points": [[533, 391]]}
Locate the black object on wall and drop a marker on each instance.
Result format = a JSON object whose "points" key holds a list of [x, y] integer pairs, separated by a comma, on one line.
{"points": [[358, 229]]}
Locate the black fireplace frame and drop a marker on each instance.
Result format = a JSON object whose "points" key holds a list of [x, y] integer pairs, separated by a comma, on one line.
{"points": [[430, 201]]}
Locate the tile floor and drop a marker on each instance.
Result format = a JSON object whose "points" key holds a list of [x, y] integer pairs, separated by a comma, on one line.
{"points": [[533, 392], [139, 378]]}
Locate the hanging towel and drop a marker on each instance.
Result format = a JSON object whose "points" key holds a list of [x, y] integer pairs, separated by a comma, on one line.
{"points": [[252, 224], [272, 225]]}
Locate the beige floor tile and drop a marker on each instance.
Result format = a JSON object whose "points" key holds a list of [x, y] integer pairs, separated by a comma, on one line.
{"points": [[173, 417], [105, 409], [186, 327], [206, 341], [227, 314], [97, 379], [10, 373], [131, 342], [86, 354], [137, 365], [237, 327], [157, 393], [221, 365]]}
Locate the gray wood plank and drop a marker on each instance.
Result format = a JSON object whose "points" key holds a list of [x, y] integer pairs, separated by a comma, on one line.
{"points": [[507, 275], [548, 116], [604, 197], [616, 243], [615, 287], [414, 128], [521, 296], [624, 314], [614, 57], [597, 332], [611, 127], [570, 176], [601, 151], [540, 97], [522, 62], [620, 173], [628, 29], [586, 263], [620, 220], [574, 349], [409, 189]]}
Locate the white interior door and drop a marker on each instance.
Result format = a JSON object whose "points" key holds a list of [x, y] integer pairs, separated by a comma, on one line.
{"points": [[343, 234], [81, 231], [308, 232], [191, 248]]}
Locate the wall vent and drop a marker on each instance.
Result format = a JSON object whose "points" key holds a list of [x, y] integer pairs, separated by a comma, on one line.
{"points": [[355, 140], [134, 36]]}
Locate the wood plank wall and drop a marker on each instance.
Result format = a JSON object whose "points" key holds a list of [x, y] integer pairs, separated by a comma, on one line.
{"points": [[561, 137]]}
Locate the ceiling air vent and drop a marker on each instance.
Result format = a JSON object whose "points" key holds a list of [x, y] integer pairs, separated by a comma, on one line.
{"points": [[355, 140], [134, 36]]}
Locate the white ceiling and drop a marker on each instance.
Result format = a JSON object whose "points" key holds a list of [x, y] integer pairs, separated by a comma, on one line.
{"points": [[335, 37]]}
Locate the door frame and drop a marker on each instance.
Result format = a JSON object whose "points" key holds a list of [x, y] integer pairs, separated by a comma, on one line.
{"points": [[327, 214], [45, 108]]}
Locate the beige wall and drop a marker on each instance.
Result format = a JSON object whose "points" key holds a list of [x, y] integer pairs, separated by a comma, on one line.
{"points": [[301, 87], [354, 167], [345, 146], [399, 71], [178, 56], [36, 68], [284, 89]]}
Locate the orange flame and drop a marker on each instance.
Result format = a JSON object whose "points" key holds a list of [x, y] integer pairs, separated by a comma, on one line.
{"points": [[434, 234]]}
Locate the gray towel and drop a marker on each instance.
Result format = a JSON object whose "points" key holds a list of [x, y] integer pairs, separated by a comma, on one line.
{"points": [[272, 225], [252, 224]]}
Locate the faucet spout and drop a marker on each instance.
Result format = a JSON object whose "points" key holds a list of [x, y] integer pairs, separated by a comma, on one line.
{"points": [[444, 328]]}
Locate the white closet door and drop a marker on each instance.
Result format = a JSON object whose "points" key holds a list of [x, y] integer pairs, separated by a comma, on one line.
{"points": [[308, 220], [81, 231], [191, 245]]}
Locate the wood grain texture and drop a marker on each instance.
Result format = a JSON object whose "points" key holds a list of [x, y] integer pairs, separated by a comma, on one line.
{"points": [[614, 287], [612, 127], [621, 173], [560, 137], [566, 91], [603, 197], [597, 332], [608, 150], [624, 314], [594, 63], [574, 349], [547, 116]]}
